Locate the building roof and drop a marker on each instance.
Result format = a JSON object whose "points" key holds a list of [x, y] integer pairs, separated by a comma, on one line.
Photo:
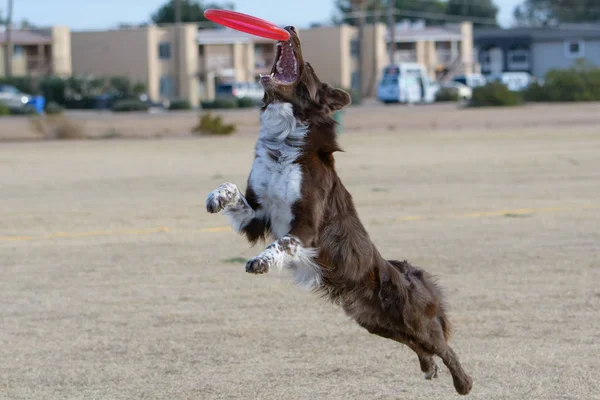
{"points": [[540, 34], [411, 31], [23, 37], [227, 36]]}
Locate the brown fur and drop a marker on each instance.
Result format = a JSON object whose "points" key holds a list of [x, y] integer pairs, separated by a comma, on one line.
{"points": [[391, 299]]}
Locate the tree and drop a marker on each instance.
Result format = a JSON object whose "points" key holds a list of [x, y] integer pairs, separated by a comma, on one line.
{"points": [[480, 9], [191, 11], [553, 12]]}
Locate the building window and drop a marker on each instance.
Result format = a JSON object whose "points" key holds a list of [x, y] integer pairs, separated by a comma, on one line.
{"points": [[354, 48], [164, 51], [518, 59], [574, 48], [167, 87], [18, 51]]}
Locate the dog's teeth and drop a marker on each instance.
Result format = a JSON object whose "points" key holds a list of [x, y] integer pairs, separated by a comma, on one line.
{"points": [[261, 76], [272, 74]]}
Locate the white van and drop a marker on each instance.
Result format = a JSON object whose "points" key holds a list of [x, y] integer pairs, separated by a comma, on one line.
{"points": [[405, 83]]}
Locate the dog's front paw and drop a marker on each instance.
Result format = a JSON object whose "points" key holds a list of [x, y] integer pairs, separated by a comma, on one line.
{"points": [[221, 197], [257, 265]]}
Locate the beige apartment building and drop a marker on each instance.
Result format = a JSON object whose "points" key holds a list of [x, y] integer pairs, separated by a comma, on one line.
{"points": [[38, 52], [166, 58], [182, 62], [333, 51]]}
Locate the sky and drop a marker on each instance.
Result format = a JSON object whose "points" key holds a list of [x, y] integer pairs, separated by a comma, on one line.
{"points": [[101, 14]]}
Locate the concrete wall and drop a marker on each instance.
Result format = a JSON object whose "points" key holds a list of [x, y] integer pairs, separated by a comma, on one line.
{"points": [[374, 56], [189, 64], [327, 49], [550, 55], [466, 48], [118, 52], [134, 53]]}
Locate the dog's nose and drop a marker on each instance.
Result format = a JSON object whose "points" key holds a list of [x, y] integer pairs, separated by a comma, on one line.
{"points": [[290, 29]]}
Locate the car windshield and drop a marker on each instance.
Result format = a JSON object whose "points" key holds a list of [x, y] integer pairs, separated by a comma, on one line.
{"points": [[389, 80], [8, 89]]}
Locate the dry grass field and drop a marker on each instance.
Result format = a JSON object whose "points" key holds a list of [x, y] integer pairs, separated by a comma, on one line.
{"points": [[116, 284]]}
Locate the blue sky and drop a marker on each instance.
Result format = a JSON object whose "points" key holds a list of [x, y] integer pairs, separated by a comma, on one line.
{"points": [[97, 14]]}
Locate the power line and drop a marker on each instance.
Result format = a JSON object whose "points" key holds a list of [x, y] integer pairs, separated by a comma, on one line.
{"points": [[425, 15]]}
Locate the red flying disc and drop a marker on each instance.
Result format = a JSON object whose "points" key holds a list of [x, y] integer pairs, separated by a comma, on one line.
{"points": [[247, 23]]}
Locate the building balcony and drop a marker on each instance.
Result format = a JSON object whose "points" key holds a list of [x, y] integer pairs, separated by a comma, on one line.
{"points": [[215, 63], [405, 56]]}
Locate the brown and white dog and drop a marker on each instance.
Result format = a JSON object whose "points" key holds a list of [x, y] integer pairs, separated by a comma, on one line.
{"points": [[295, 196]]}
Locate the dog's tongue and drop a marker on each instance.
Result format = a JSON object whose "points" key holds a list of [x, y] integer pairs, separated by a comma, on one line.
{"points": [[285, 70]]}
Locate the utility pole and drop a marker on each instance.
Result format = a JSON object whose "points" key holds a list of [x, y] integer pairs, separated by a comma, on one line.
{"points": [[360, 6], [8, 48], [391, 17]]}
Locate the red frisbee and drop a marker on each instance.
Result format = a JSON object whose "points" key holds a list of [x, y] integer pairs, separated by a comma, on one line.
{"points": [[247, 23]]}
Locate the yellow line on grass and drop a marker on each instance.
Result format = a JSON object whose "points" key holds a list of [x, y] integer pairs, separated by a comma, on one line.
{"points": [[218, 229]]}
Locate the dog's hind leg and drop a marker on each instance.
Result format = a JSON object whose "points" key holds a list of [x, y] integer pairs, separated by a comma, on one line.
{"points": [[428, 365], [426, 361], [437, 344]]}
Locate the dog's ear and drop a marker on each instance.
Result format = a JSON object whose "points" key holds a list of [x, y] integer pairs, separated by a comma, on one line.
{"points": [[311, 82], [335, 99]]}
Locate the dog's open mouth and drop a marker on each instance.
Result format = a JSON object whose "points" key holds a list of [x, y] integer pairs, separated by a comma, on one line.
{"points": [[285, 68]]}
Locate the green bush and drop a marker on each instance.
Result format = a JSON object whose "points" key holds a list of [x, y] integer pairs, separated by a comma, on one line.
{"points": [[53, 108], [447, 94], [23, 111], [535, 93], [180, 104], [580, 83], [4, 111], [210, 125], [130, 105], [246, 102], [219, 103], [495, 94]]}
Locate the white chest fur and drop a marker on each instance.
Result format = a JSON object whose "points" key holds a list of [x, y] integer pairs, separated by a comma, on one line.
{"points": [[276, 178]]}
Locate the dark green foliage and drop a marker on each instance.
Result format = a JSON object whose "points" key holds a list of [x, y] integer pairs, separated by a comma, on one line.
{"points": [[447, 95], [245, 102], [219, 103], [495, 94], [53, 108], [78, 92], [554, 12], [4, 111], [180, 104], [485, 9], [130, 105], [213, 125], [580, 83], [191, 11]]}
